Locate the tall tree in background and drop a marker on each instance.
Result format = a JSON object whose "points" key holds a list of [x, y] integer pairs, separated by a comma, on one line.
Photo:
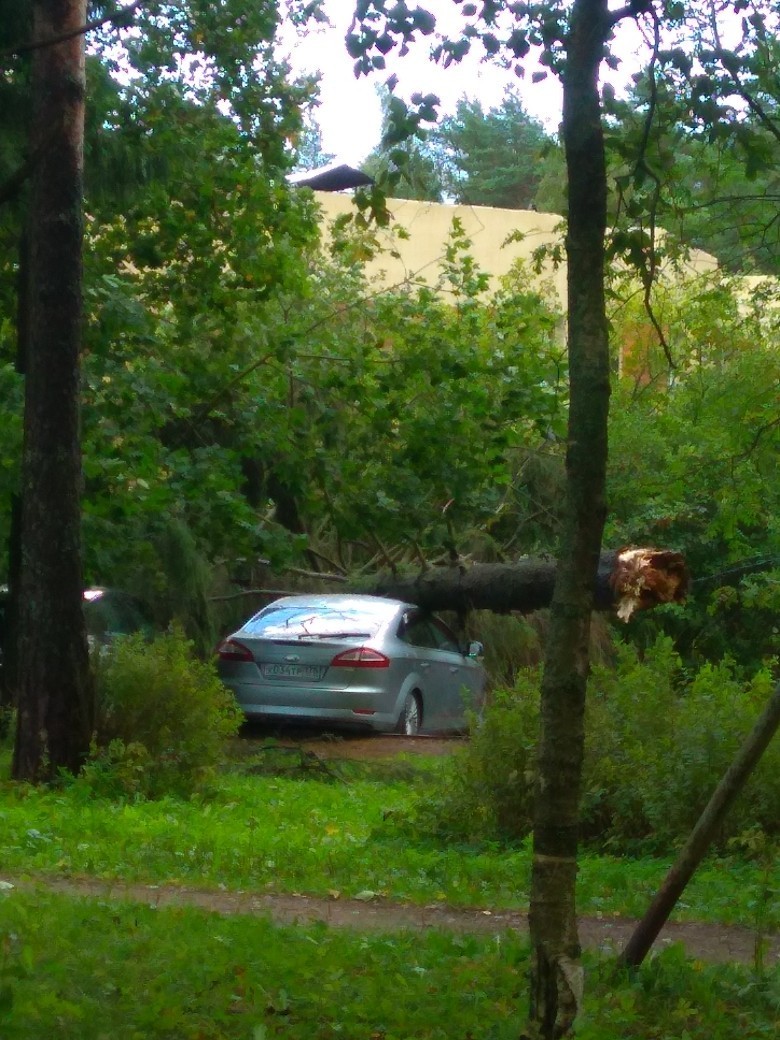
{"points": [[492, 157], [499, 157], [309, 150], [54, 694]]}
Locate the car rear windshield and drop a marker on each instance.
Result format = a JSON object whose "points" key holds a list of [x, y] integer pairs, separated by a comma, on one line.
{"points": [[312, 621]]}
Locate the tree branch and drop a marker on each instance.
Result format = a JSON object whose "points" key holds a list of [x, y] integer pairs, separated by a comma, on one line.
{"points": [[120, 18], [648, 271]]}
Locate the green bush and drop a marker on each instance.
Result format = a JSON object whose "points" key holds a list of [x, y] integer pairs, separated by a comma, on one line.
{"points": [[658, 741], [163, 717], [712, 721], [630, 722], [485, 792]]}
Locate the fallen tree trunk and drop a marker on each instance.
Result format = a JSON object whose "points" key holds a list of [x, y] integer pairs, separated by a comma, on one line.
{"points": [[628, 580]]}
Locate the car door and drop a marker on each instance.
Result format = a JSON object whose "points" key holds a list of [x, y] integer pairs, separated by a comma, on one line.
{"points": [[452, 681], [461, 676], [431, 665]]}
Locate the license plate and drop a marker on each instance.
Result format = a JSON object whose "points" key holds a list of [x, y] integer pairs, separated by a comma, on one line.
{"points": [[312, 672]]}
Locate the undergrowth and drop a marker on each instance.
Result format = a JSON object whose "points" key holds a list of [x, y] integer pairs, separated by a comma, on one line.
{"points": [[163, 719], [658, 741]]}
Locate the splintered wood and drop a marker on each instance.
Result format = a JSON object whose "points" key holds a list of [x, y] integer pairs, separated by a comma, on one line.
{"points": [[643, 578]]}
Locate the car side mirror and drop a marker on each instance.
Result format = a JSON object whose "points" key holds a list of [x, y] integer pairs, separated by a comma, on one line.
{"points": [[475, 649]]}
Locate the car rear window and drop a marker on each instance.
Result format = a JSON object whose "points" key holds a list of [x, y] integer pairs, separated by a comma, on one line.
{"points": [[313, 621]]}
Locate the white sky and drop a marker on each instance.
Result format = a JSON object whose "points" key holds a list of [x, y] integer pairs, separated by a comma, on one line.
{"points": [[349, 113]]}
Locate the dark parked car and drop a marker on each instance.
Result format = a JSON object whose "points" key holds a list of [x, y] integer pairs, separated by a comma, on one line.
{"points": [[353, 660], [108, 613]]}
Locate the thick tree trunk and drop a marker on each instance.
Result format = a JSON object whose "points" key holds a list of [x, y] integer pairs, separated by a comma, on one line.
{"points": [[556, 972], [626, 580], [54, 687]]}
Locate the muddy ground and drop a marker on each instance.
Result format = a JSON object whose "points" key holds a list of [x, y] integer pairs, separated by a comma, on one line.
{"points": [[356, 746]]}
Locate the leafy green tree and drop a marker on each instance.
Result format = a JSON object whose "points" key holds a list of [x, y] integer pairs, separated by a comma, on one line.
{"points": [[713, 191], [692, 462], [192, 59], [695, 149], [410, 168], [386, 408], [423, 464]]}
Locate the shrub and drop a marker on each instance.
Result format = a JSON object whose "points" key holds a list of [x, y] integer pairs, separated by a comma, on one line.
{"points": [[712, 720], [486, 790], [658, 741], [163, 717], [629, 733]]}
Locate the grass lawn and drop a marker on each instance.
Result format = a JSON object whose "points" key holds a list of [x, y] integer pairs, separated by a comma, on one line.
{"points": [[93, 970], [74, 970], [317, 835]]}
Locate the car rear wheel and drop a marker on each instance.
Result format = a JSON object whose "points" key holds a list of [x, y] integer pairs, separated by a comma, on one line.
{"points": [[410, 717]]}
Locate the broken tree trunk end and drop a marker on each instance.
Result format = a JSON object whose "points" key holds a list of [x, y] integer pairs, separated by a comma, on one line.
{"points": [[628, 580]]}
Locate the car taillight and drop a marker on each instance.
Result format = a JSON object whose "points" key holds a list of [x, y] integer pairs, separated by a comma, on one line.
{"points": [[360, 657], [230, 650]]}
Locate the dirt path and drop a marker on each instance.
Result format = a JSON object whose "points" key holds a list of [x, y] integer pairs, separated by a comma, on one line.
{"points": [[716, 944]]}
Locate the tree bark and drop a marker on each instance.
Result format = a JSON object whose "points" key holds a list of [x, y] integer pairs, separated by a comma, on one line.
{"points": [[556, 971], [626, 580], [55, 710], [701, 837]]}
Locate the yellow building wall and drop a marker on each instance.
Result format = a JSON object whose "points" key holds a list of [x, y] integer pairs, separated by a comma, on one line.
{"points": [[428, 225]]}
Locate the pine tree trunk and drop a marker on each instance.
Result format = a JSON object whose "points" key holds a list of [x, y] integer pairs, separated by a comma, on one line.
{"points": [[54, 688], [627, 580], [556, 974]]}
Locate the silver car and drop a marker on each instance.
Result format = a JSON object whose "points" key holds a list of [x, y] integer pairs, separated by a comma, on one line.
{"points": [[352, 660]]}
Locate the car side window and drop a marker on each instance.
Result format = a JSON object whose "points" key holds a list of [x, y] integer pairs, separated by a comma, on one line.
{"points": [[415, 629], [429, 632], [445, 637]]}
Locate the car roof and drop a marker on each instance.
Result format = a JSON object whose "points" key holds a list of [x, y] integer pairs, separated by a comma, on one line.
{"points": [[340, 599]]}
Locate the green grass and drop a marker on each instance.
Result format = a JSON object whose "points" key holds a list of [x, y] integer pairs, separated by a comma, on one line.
{"points": [[321, 836], [77, 970]]}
